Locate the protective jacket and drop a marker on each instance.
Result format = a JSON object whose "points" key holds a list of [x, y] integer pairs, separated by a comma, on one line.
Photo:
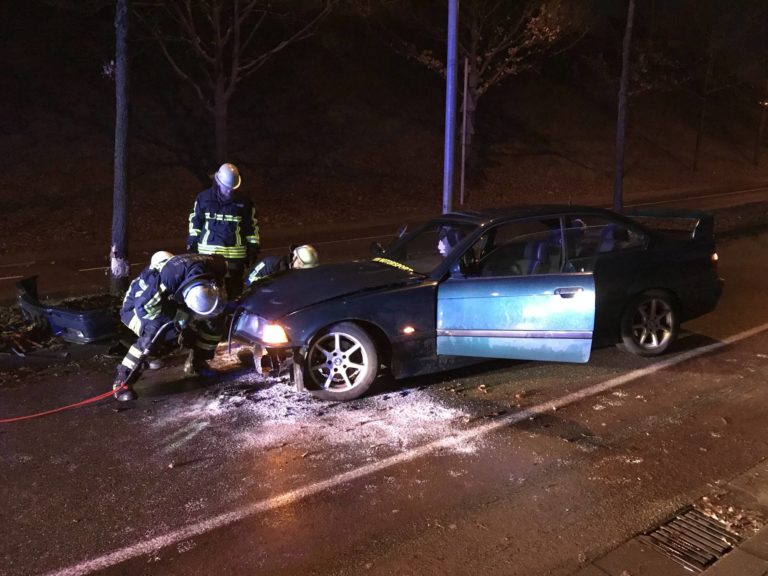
{"points": [[180, 270], [140, 290], [224, 227], [162, 300], [266, 266]]}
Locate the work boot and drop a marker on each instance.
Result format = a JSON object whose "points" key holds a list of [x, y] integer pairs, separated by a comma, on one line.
{"points": [[154, 363], [123, 392], [198, 367]]}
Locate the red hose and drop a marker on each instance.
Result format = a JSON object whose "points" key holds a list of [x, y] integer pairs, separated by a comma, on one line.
{"points": [[62, 408]]}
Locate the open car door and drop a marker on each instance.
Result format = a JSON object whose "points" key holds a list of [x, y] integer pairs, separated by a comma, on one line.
{"points": [[530, 317]]}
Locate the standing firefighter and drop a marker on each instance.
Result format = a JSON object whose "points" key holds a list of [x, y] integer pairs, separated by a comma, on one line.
{"points": [[224, 223], [182, 303]]}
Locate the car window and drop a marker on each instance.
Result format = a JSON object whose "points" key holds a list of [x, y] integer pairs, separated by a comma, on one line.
{"points": [[427, 247], [589, 236], [520, 248]]}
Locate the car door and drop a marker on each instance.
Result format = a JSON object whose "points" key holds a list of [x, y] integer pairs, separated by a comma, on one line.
{"points": [[517, 303], [617, 257]]}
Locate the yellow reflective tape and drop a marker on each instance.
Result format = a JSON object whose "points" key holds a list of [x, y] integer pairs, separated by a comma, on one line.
{"points": [[226, 251], [209, 337], [128, 363], [394, 264], [223, 217], [192, 230], [204, 346], [135, 324]]}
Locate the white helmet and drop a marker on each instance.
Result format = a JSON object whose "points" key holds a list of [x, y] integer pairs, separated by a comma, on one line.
{"points": [[159, 259], [304, 256], [204, 298], [228, 176]]}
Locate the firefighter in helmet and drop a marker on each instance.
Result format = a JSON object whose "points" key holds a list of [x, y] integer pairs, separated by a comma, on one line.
{"points": [[223, 222], [304, 256], [181, 304]]}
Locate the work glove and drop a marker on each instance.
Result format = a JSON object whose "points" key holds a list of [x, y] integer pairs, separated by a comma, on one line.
{"points": [[192, 247]]}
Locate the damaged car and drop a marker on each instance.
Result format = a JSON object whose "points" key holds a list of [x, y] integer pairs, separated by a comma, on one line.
{"points": [[540, 283]]}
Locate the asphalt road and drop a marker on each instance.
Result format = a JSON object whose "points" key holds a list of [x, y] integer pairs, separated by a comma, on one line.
{"points": [[508, 468]]}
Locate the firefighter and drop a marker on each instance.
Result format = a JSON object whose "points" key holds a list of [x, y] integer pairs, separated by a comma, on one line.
{"points": [[299, 257], [129, 314], [183, 303], [224, 223], [138, 286], [304, 256]]}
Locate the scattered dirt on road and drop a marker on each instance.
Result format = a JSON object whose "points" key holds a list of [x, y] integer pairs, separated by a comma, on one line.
{"points": [[274, 416]]}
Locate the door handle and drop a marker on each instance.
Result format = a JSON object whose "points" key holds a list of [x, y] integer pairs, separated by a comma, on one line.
{"points": [[569, 292]]}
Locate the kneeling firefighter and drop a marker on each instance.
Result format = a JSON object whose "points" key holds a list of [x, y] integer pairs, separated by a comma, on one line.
{"points": [[182, 303]]}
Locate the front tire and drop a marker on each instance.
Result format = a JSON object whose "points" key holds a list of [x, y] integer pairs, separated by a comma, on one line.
{"points": [[341, 363], [649, 324]]}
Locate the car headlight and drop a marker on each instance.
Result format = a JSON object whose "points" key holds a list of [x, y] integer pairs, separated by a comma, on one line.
{"points": [[273, 334], [256, 328]]}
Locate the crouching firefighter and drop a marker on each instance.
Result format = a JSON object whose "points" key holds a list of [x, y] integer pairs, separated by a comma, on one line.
{"points": [[182, 304]]}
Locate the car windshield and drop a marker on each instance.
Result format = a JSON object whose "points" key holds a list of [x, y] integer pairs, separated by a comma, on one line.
{"points": [[426, 248]]}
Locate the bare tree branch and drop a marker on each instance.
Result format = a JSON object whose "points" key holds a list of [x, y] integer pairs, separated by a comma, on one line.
{"points": [[213, 44]]}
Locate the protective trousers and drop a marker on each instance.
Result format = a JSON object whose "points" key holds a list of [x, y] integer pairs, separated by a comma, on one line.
{"points": [[146, 344], [233, 281], [202, 336]]}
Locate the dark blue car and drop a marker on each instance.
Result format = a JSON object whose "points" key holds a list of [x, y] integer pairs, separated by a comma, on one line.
{"points": [[531, 283]]}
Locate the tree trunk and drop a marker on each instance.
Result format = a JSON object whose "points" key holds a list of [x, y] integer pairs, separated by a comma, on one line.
{"points": [[621, 122], [763, 102], [761, 126], [220, 113], [703, 106], [119, 267], [471, 114]]}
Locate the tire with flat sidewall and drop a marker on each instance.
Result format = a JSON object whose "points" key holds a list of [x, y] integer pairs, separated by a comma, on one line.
{"points": [[367, 379]]}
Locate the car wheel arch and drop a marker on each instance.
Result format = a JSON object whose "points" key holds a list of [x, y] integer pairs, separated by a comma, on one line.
{"points": [[352, 331]]}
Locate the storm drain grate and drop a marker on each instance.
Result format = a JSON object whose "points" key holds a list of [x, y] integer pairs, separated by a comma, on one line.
{"points": [[692, 539]]}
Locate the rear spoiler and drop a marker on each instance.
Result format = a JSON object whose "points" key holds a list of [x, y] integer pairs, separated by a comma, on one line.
{"points": [[700, 225]]}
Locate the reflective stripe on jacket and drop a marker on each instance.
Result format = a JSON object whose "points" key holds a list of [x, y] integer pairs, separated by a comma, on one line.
{"points": [[223, 227], [266, 267]]}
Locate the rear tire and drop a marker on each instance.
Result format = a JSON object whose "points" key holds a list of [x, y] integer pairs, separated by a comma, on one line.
{"points": [[341, 363], [649, 324]]}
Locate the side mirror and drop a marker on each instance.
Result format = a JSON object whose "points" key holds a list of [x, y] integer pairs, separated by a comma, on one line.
{"points": [[376, 249]]}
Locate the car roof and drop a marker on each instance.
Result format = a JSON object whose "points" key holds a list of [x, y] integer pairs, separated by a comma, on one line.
{"points": [[496, 214]]}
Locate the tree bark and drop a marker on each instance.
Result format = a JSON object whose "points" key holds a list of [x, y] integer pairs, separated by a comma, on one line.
{"points": [[763, 102], [703, 106], [621, 122], [119, 267]]}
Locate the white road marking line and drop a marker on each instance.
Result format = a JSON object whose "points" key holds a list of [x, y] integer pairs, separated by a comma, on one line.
{"points": [[200, 528], [702, 197], [104, 267], [11, 277]]}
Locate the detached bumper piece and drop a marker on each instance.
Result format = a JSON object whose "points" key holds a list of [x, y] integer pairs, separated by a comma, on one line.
{"points": [[76, 326]]}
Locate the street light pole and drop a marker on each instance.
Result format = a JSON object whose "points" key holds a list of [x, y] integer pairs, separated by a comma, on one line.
{"points": [[450, 106]]}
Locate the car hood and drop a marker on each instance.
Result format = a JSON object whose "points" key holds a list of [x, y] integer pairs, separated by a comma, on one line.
{"points": [[286, 292]]}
